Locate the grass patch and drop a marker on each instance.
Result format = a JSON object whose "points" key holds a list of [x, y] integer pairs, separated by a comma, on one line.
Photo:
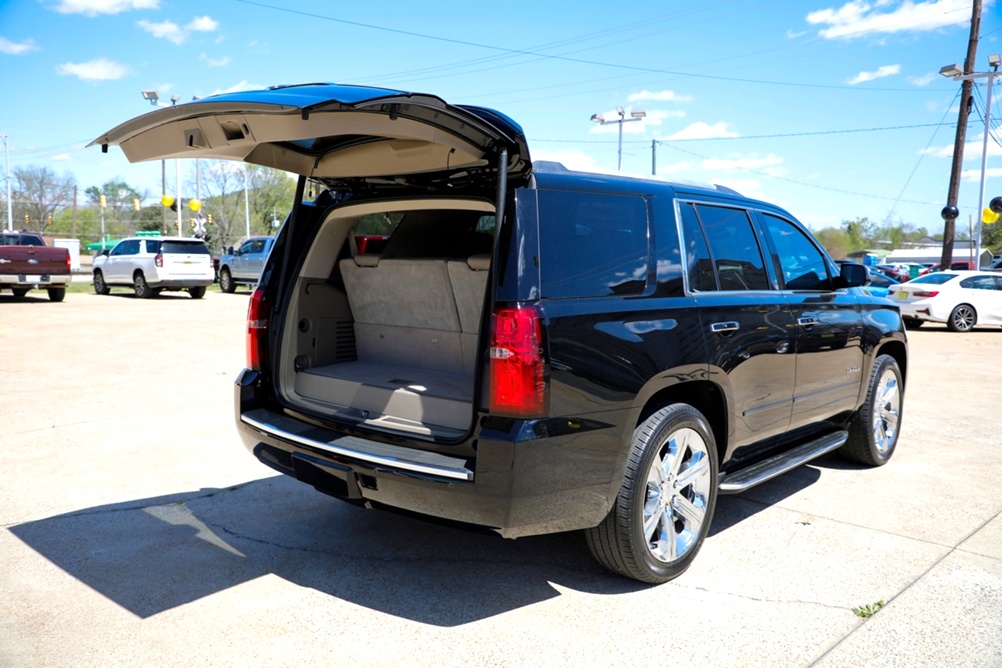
{"points": [[868, 610]]}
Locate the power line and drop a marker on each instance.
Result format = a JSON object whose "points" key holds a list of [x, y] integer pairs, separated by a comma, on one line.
{"points": [[772, 136], [525, 52]]}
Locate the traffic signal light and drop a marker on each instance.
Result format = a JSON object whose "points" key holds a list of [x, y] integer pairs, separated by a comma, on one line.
{"points": [[135, 204], [27, 220], [208, 220], [104, 202], [175, 225], [48, 220]]}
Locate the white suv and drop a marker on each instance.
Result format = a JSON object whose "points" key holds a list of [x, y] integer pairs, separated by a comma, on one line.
{"points": [[150, 265]]}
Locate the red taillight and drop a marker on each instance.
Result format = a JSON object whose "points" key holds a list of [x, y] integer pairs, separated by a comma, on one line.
{"points": [[69, 263], [257, 329], [518, 384], [923, 294], [159, 260]]}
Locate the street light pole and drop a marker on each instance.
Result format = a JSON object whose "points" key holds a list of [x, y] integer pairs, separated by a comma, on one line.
{"points": [[994, 61], [6, 159], [635, 115]]}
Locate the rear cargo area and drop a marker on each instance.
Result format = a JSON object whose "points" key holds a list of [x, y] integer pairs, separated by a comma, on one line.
{"points": [[391, 339]]}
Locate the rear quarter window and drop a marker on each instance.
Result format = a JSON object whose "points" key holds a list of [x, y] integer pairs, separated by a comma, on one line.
{"points": [[592, 244]]}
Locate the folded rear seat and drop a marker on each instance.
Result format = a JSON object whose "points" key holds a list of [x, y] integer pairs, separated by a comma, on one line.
{"points": [[410, 355]]}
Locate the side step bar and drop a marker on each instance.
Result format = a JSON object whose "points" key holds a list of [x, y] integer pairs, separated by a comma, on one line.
{"points": [[744, 479]]}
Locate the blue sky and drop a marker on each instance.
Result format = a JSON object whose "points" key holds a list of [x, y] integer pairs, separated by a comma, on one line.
{"points": [[833, 110]]}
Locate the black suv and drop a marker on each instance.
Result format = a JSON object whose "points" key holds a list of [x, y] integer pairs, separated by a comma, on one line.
{"points": [[533, 349]]}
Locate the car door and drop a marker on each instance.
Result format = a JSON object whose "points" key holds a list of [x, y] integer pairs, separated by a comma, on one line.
{"points": [[829, 324], [983, 293], [118, 268], [750, 332]]}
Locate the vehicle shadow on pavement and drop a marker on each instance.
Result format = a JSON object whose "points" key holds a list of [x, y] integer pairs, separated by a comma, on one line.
{"points": [[152, 555], [734, 509]]}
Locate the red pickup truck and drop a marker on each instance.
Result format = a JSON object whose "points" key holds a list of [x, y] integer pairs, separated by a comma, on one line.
{"points": [[26, 263]]}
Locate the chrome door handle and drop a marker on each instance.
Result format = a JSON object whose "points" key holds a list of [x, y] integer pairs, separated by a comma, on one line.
{"points": [[729, 326], [807, 321]]}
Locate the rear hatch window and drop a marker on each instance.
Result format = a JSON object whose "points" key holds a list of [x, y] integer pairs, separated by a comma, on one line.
{"points": [[186, 247]]}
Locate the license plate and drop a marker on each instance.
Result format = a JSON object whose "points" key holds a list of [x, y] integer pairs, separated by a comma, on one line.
{"points": [[902, 295], [28, 278]]}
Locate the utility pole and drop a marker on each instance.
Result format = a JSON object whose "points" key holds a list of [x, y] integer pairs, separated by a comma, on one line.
{"points": [[654, 157], [6, 158], [950, 211]]}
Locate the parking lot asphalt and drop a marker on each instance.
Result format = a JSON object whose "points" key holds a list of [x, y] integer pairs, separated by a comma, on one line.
{"points": [[135, 529]]}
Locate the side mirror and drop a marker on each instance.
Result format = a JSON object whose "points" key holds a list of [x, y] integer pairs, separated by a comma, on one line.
{"points": [[229, 250], [853, 276], [105, 252]]}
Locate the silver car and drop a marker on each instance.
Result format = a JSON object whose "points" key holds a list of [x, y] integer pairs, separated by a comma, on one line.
{"points": [[243, 265]]}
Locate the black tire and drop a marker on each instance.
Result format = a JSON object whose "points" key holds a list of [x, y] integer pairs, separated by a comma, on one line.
{"points": [[686, 497], [197, 292], [100, 287], [141, 287], [19, 293], [873, 434], [912, 323], [962, 318], [226, 283], [56, 294]]}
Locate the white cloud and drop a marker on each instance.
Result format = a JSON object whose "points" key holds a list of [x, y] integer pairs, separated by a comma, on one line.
{"points": [[924, 80], [747, 187], [884, 71], [687, 166], [164, 30], [100, 69], [974, 175], [701, 130], [95, 7], [763, 163], [202, 24], [858, 18], [236, 88], [571, 159], [62, 157], [660, 96], [214, 62], [794, 35], [13, 49]]}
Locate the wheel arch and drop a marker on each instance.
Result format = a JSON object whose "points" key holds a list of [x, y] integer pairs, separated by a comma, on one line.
{"points": [[703, 395], [899, 351]]}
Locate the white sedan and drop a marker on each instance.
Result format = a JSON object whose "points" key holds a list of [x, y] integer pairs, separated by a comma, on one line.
{"points": [[961, 299]]}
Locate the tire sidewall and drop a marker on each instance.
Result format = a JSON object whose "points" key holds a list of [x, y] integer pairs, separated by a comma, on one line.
{"points": [[883, 363], [669, 420], [951, 323]]}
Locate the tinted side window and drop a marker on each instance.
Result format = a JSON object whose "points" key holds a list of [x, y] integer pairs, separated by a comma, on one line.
{"points": [[802, 265], [699, 266], [591, 245], [979, 283], [734, 248], [153, 246]]}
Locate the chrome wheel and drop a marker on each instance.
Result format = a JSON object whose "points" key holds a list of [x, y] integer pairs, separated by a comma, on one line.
{"points": [[963, 318], [678, 486], [665, 504], [886, 411]]}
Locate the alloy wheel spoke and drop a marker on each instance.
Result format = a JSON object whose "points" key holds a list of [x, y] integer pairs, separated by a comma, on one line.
{"points": [[692, 513], [699, 465]]}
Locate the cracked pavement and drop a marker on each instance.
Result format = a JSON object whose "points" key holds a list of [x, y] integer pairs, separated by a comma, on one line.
{"points": [[136, 530]]}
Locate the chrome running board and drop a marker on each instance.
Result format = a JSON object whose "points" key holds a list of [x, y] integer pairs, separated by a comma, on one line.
{"points": [[746, 478]]}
